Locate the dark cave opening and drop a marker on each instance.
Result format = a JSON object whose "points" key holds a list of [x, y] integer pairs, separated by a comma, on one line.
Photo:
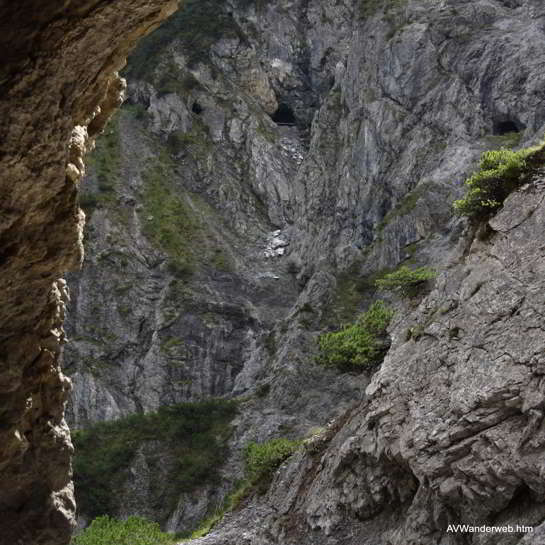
{"points": [[284, 115], [196, 108], [505, 127]]}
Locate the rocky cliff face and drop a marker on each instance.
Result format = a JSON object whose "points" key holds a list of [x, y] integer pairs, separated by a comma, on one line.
{"points": [[271, 160], [59, 85], [451, 428], [190, 288]]}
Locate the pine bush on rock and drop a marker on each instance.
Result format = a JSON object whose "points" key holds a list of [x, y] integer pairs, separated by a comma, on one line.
{"points": [[262, 459], [360, 344], [194, 434], [408, 281], [500, 172]]}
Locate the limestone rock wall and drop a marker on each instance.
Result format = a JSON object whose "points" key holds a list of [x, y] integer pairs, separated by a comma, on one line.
{"points": [[58, 86], [393, 102], [451, 430], [211, 309], [450, 427]]}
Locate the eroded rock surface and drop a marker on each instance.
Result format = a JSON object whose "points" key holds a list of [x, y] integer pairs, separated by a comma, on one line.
{"points": [[399, 108], [452, 428], [346, 127], [58, 85]]}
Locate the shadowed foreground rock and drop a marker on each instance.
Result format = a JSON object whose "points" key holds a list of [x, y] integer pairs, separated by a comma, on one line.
{"points": [[59, 85]]}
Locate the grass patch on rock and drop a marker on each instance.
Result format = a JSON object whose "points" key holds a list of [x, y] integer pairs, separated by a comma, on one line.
{"points": [[194, 434], [197, 25], [507, 140], [105, 163], [168, 221], [263, 459], [133, 531], [406, 205], [241, 491], [175, 221]]}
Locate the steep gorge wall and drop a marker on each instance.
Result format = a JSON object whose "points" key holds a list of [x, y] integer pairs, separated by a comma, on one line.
{"points": [[399, 98], [59, 85], [392, 103], [450, 429], [195, 298]]}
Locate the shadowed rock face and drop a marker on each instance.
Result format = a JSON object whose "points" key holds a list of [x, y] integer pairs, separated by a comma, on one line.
{"points": [[58, 85]]}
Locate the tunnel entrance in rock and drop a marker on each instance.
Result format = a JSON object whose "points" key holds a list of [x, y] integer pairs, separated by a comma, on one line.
{"points": [[196, 108], [506, 127], [284, 115]]}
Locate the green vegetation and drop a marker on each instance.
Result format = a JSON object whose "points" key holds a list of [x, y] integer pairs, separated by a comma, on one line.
{"points": [[171, 343], [507, 140], [168, 221], [197, 141], [173, 80], [262, 459], [133, 531], [240, 492], [408, 281], [196, 25], [500, 172], [270, 343], [138, 111], [360, 344], [194, 433], [406, 205], [88, 201], [173, 219], [351, 294], [106, 158], [177, 141]]}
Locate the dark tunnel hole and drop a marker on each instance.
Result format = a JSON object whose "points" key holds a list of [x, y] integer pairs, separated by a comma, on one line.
{"points": [[283, 115], [196, 108], [506, 127]]}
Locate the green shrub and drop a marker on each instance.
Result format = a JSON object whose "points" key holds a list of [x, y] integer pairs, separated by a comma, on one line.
{"points": [[195, 434], [133, 531], [136, 110], [360, 344], [507, 140], [500, 172], [407, 204], [262, 459], [172, 80], [408, 281]]}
